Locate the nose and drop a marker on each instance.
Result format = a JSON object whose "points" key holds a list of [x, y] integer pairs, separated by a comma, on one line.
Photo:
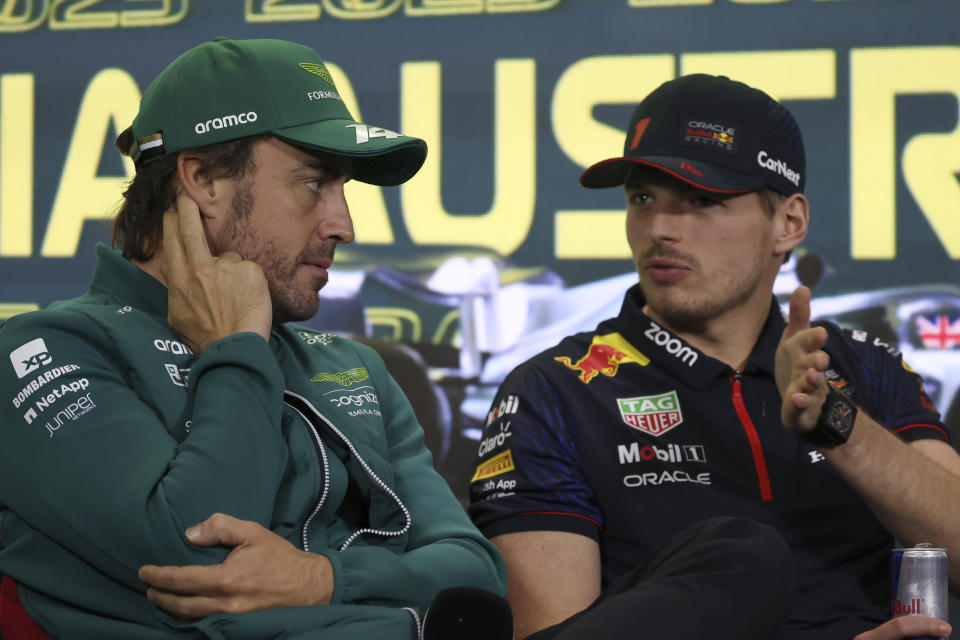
{"points": [[666, 221], [335, 221]]}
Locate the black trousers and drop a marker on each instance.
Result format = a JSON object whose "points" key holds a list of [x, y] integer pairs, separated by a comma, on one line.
{"points": [[724, 578]]}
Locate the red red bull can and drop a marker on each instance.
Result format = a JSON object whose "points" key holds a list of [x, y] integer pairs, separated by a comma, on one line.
{"points": [[919, 583]]}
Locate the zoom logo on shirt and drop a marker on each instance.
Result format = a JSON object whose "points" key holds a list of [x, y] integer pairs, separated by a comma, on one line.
{"points": [[674, 346], [30, 357]]}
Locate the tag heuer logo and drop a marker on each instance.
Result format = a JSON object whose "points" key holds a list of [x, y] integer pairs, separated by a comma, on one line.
{"points": [[317, 70], [651, 414], [344, 378]]}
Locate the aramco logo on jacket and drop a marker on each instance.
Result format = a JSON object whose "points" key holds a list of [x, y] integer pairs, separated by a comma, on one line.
{"points": [[606, 354]]}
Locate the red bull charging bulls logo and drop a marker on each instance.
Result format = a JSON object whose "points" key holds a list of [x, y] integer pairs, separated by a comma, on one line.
{"points": [[605, 356]]}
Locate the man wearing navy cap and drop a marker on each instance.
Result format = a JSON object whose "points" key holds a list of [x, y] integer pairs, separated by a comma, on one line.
{"points": [[699, 401], [176, 389]]}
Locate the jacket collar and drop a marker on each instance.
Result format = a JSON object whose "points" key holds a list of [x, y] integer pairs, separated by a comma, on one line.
{"points": [[682, 359], [120, 278]]}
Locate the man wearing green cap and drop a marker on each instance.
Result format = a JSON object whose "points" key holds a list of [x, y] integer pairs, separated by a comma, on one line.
{"points": [[175, 457]]}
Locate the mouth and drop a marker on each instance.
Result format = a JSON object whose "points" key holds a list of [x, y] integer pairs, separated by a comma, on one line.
{"points": [[665, 270], [318, 268]]}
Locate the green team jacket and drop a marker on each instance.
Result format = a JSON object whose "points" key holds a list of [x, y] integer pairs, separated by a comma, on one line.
{"points": [[114, 438]]}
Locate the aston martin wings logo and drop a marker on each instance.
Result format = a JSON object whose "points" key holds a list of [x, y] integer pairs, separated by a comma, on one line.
{"points": [[317, 70], [345, 378]]}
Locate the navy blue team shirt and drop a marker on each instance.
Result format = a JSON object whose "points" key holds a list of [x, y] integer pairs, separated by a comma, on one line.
{"points": [[628, 435]]}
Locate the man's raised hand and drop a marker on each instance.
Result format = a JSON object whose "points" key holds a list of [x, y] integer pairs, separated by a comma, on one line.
{"points": [[209, 297], [800, 364]]}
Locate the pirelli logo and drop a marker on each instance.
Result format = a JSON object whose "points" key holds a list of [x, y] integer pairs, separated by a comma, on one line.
{"points": [[500, 463]]}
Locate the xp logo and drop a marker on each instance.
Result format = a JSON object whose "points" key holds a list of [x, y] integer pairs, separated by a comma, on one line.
{"points": [[29, 357], [605, 355]]}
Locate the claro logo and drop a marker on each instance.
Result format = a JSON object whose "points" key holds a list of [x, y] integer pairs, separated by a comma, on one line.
{"points": [[223, 122]]}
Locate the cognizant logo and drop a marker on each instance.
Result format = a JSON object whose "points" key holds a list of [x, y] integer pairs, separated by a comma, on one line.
{"points": [[225, 121]]}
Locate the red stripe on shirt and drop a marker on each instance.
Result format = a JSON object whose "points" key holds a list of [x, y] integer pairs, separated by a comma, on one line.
{"points": [[561, 513], [930, 426]]}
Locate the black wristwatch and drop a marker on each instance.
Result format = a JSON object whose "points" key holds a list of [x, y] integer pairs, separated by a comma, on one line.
{"points": [[836, 420]]}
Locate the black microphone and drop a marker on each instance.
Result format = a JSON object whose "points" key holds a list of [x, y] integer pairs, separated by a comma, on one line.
{"points": [[468, 613]]}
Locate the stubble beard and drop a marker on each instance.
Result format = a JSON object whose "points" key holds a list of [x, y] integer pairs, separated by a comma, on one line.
{"points": [[289, 302], [690, 312]]}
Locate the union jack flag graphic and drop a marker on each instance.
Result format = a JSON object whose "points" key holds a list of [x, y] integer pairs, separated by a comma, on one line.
{"points": [[938, 332]]}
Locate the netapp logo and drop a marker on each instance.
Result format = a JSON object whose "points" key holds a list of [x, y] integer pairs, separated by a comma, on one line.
{"points": [[225, 121], [778, 166]]}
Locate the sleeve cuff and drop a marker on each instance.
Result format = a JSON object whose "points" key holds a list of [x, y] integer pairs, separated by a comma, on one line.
{"points": [[912, 432], [334, 558], [544, 521]]}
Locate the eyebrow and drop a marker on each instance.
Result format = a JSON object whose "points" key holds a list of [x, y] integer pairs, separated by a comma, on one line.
{"points": [[323, 165]]}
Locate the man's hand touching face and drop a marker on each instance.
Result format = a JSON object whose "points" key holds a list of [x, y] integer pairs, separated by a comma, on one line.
{"points": [[209, 297]]}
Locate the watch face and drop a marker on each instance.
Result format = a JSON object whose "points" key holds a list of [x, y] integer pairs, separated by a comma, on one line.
{"points": [[841, 416]]}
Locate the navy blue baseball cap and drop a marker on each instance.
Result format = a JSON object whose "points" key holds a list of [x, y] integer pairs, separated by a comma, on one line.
{"points": [[715, 133]]}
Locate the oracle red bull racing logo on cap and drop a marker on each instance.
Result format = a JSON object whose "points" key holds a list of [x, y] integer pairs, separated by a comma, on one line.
{"points": [[654, 415], [605, 356], [712, 134]]}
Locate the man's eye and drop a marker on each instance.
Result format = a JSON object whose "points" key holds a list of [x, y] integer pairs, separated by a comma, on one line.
{"points": [[703, 202]]}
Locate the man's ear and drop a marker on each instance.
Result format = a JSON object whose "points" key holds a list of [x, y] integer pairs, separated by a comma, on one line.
{"points": [[792, 219], [195, 180]]}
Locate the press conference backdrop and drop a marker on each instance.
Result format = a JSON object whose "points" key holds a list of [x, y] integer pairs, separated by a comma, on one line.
{"points": [[494, 251]]}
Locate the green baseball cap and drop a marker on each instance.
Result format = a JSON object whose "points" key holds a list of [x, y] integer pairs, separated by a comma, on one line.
{"points": [[228, 89]]}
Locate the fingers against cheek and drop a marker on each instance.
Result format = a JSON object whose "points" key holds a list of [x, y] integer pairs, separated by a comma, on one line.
{"points": [[172, 246]]}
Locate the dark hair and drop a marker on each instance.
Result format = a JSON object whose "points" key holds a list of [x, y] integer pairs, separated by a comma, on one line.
{"points": [[138, 227], [771, 200]]}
